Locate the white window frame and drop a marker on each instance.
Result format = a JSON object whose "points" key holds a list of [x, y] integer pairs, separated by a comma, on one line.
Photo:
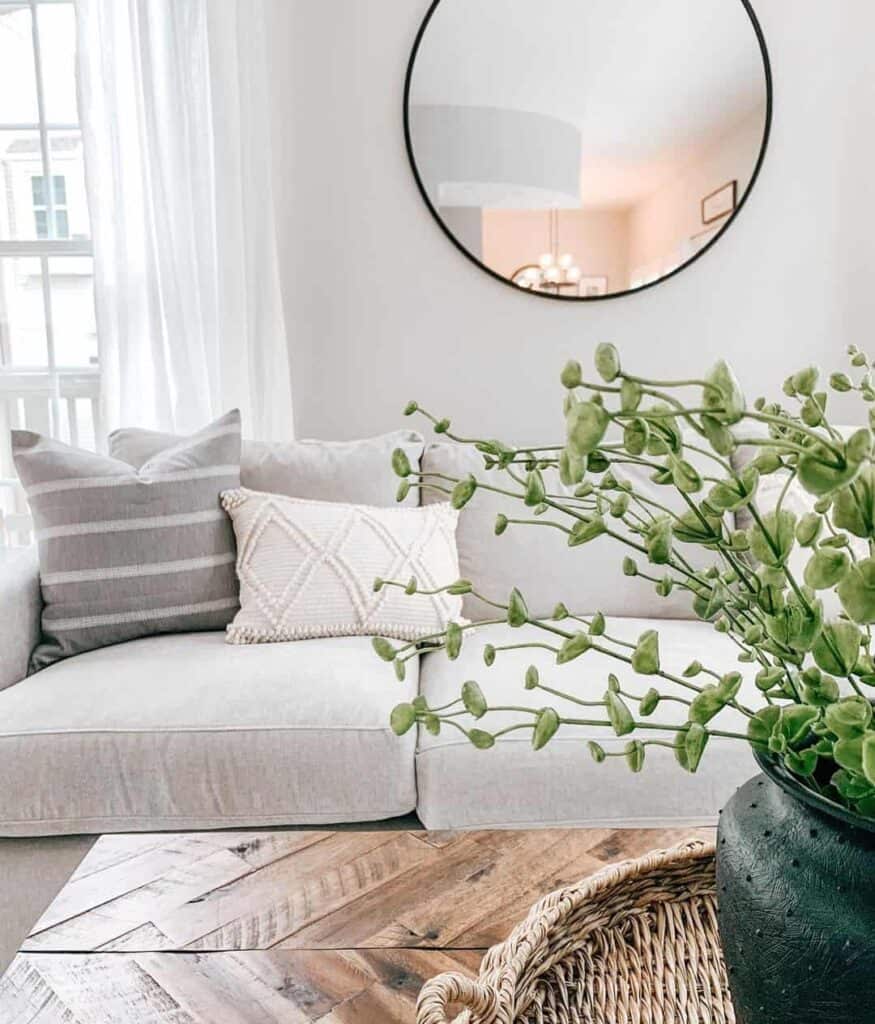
{"points": [[52, 377]]}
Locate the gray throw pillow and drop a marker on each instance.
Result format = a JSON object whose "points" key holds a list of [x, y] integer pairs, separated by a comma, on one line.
{"points": [[127, 552], [355, 472]]}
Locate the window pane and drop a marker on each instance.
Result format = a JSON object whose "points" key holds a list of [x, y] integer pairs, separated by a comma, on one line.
{"points": [[17, 75], [41, 218], [62, 226], [57, 37], [72, 292], [22, 317], [68, 174], [21, 184]]}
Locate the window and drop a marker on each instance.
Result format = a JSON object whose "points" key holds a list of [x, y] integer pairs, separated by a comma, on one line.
{"points": [[49, 376], [41, 209]]}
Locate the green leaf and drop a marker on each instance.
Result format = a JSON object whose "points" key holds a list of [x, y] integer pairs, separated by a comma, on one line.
{"points": [[572, 468], [481, 740], [692, 670], [645, 657], [825, 568], [723, 398], [848, 754], [586, 530], [453, 640], [840, 382], [500, 524], [532, 678], [546, 725], [808, 528], [463, 492], [838, 647], [695, 741], [719, 436], [383, 648], [805, 381], [773, 542], [618, 713], [635, 755], [658, 540], [684, 475], [597, 625], [630, 395], [489, 655], [596, 751], [402, 718], [762, 725], [460, 587], [849, 718], [607, 362], [517, 612], [869, 757], [473, 699], [629, 567], [536, 492], [802, 762], [709, 702], [821, 473], [572, 375], [400, 463], [573, 647], [586, 424], [853, 507], [649, 703], [400, 670], [813, 409], [850, 786], [730, 495], [822, 693], [432, 724], [411, 408], [857, 592], [636, 434], [795, 723]]}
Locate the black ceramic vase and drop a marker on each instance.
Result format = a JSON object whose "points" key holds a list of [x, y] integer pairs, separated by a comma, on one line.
{"points": [[796, 898]]}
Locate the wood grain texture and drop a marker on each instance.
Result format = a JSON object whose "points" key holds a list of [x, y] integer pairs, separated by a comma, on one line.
{"points": [[262, 927]]}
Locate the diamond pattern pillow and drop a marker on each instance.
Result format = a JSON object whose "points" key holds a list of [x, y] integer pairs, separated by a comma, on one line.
{"points": [[307, 568]]}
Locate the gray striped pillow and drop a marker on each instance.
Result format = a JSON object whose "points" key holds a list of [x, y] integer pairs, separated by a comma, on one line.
{"points": [[126, 553]]}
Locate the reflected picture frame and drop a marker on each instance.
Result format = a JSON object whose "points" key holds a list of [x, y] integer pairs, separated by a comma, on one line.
{"points": [[720, 203]]}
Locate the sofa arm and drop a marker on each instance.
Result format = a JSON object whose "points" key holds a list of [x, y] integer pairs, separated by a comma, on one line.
{"points": [[20, 608]]}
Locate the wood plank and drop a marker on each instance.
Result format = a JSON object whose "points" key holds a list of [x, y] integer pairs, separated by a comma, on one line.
{"points": [[269, 987]]}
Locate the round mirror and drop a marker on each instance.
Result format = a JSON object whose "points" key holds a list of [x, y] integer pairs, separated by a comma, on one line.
{"points": [[583, 149]]}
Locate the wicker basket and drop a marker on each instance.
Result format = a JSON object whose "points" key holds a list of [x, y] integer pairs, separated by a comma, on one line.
{"points": [[635, 944]]}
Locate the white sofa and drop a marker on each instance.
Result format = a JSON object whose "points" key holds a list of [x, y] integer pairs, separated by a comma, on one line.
{"points": [[184, 732]]}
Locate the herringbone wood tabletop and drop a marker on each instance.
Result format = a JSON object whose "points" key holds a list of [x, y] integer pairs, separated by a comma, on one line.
{"points": [[288, 927]]}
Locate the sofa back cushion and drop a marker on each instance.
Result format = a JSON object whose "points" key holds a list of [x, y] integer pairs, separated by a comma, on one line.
{"points": [[537, 559], [127, 552], [359, 472]]}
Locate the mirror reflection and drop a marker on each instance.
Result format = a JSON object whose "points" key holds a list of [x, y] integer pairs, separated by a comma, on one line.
{"points": [[586, 148]]}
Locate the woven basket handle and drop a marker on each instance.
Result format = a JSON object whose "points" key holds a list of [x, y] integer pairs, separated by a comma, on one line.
{"points": [[446, 990]]}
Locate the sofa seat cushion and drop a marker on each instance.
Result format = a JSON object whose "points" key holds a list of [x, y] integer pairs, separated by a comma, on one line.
{"points": [[186, 732], [512, 785]]}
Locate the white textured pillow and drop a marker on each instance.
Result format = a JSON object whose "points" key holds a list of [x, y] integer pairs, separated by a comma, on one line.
{"points": [[307, 568]]}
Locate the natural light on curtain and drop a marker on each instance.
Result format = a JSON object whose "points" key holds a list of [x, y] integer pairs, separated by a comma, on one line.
{"points": [[175, 121]]}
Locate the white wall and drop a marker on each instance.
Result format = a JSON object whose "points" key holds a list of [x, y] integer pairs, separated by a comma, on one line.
{"points": [[381, 308]]}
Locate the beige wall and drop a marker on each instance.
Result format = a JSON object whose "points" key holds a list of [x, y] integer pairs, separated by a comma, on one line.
{"points": [[662, 226], [596, 238]]}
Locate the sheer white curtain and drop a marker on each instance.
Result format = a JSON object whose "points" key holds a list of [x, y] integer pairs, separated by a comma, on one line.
{"points": [[175, 118]]}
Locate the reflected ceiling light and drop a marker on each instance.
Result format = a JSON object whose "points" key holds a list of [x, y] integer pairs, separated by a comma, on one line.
{"points": [[553, 271]]}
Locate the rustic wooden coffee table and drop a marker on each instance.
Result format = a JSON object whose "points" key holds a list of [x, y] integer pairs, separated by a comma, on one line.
{"points": [[288, 927]]}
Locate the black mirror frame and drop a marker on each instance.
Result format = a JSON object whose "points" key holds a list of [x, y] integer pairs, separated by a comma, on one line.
{"points": [[408, 142]]}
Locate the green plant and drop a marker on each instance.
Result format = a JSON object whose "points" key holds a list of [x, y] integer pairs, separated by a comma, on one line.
{"points": [[814, 673]]}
